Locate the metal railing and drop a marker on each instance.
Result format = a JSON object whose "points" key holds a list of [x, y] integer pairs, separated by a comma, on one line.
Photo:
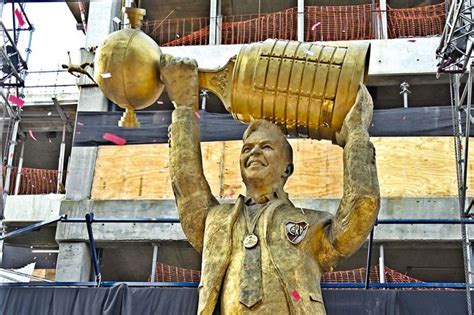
{"points": [[90, 219]]}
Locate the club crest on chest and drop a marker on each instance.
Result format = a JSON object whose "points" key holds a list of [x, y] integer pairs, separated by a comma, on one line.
{"points": [[296, 231]]}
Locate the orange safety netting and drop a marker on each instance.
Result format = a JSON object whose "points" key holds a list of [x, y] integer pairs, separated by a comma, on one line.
{"points": [[322, 23], [330, 23], [358, 276], [166, 31], [33, 181], [419, 21], [242, 29], [168, 273]]}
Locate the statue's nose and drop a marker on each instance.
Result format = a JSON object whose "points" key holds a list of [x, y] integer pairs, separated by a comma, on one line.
{"points": [[256, 150]]}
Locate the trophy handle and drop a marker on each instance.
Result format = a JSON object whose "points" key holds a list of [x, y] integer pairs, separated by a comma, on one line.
{"points": [[219, 81]]}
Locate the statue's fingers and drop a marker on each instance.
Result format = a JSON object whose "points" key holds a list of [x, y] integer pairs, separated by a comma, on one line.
{"points": [[367, 98], [165, 60], [191, 62], [361, 96], [341, 138]]}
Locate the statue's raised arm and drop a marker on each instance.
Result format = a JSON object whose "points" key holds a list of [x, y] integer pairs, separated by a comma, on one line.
{"points": [[191, 189], [360, 203]]}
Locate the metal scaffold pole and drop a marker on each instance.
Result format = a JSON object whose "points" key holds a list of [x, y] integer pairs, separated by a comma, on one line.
{"points": [[454, 56], [461, 153]]}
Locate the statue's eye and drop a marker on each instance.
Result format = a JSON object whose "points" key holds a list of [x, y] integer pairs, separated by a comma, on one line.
{"points": [[245, 150], [267, 147]]}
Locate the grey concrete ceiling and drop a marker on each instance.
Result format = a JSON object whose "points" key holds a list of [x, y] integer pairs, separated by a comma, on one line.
{"points": [[159, 9]]}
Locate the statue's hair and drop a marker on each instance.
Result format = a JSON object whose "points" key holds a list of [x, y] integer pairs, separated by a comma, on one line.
{"points": [[262, 124]]}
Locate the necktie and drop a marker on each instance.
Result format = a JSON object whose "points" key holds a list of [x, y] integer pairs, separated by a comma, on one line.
{"points": [[251, 277], [251, 272]]}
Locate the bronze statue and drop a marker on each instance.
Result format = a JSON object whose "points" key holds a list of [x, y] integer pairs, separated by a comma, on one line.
{"points": [[263, 255], [260, 255]]}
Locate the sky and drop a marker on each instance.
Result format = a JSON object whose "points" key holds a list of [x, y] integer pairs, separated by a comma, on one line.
{"points": [[55, 34]]}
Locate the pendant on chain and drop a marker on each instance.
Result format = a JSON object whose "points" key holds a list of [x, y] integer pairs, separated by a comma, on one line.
{"points": [[250, 241]]}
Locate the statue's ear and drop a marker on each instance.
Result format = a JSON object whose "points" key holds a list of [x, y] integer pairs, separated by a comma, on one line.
{"points": [[289, 169]]}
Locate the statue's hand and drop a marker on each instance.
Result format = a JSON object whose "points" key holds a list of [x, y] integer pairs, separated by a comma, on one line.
{"points": [[358, 119], [180, 77]]}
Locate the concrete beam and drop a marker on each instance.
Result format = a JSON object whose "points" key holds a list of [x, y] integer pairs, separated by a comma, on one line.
{"points": [[391, 57], [393, 208], [32, 208], [122, 232], [406, 208]]}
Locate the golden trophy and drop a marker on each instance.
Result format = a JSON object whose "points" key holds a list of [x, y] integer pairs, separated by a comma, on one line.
{"points": [[306, 88]]}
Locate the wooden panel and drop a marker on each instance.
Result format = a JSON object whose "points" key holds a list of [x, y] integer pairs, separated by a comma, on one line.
{"points": [[49, 274], [408, 167], [232, 184], [411, 167], [318, 169], [142, 171]]}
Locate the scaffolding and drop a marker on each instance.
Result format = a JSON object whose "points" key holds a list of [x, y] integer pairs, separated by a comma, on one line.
{"points": [[454, 55], [13, 68]]}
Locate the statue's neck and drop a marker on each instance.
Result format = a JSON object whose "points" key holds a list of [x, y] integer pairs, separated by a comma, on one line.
{"points": [[265, 193]]}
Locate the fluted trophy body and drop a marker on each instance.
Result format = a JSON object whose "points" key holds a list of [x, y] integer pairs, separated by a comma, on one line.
{"points": [[306, 88]]}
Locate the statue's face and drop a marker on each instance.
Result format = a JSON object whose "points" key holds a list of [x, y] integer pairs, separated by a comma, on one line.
{"points": [[263, 158]]}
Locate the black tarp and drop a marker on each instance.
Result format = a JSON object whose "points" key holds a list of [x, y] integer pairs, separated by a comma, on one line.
{"points": [[126, 300], [91, 126]]}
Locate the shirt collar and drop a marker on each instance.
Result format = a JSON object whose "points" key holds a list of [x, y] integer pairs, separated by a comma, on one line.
{"points": [[281, 195]]}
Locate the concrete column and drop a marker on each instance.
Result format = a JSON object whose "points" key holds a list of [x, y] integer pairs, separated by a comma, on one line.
{"points": [[1, 251], [219, 23], [100, 24], [80, 173], [383, 20], [214, 26], [74, 262], [100, 21], [300, 21], [82, 161]]}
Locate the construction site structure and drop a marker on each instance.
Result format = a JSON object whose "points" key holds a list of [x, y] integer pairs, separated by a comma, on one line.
{"points": [[113, 208]]}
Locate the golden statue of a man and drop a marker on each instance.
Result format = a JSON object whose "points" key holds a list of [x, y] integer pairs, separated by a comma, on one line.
{"points": [[262, 255]]}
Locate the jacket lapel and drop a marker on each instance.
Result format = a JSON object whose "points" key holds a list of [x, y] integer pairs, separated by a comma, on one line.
{"points": [[299, 289], [216, 253]]}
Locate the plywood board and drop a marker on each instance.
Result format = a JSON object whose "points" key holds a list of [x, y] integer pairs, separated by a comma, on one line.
{"points": [[318, 169], [407, 167], [142, 171], [416, 167]]}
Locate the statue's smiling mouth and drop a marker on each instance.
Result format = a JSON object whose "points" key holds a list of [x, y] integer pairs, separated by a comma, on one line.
{"points": [[255, 162]]}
